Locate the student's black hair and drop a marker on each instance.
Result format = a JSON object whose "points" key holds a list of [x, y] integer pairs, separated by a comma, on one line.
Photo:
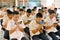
{"points": [[51, 12], [33, 10], [9, 12], [18, 8], [0, 7], [55, 8], [39, 9], [15, 13], [35, 7], [39, 15], [28, 10], [44, 7], [24, 7], [21, 9]]}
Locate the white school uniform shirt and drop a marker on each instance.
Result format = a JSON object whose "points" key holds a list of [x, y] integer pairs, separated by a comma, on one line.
{"points": [[20, 17], [17, 34], [45, 15], [33, 25], [25, 18], [5, 14], [1, 13], [33, 17], [50, 22], [5, 20]]}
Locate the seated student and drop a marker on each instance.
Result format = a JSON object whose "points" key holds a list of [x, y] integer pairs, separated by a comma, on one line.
{"points": [[24, 8], [40, 10], [13, 8], [51, 26], [20, 14], [26, 18], [4, 11], [18, 9], [7, 18], [15, 28], [35, 27], [45, 12], [1, 13], [1, 16], [55, 9], [33, 15], [35, 8]]}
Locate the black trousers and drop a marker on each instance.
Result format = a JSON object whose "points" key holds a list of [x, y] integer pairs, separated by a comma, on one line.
{"points": [[23, 38], [13, 39], [53, 36], [40, 36]]}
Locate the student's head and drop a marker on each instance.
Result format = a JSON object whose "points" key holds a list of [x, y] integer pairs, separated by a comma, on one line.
{"points": [[15, 16], [55, 9], [52, 13], [44, 9], [18, 9], [39, 17], [13, 8], [9, 14], [35, 8], [24, 8], [40, 11], [28, 12], [4, 8], [21, 11], [33, 11]]}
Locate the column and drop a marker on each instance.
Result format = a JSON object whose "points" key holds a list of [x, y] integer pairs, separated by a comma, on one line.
{"points": [[16, 2]]}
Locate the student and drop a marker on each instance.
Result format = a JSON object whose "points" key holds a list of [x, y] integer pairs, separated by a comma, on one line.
{"points": [[40, 11], [1, 16], [26, 18], [33, 15], [7, 18], [35, 8], [24, 8], [55, 9], [4, 9], [15, 29], [13, 8], [45, 12], [20, 14], [35, 27], [18, 9], [51, 26]]}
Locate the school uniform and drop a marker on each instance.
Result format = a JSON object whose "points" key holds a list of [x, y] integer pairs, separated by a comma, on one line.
{"points": [[52, 30], [45, 15], [20, 17], [33, 17], [17, 34], [33, 25], [5, 21], [26, 19]]}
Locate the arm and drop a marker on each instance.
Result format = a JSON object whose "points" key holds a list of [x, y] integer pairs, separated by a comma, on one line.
{"points": [[27, 22], [12, 30], [21, 29], [48, 27], [39, 28]]}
